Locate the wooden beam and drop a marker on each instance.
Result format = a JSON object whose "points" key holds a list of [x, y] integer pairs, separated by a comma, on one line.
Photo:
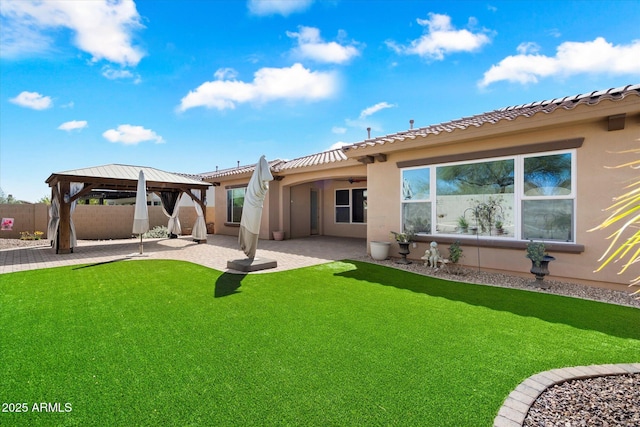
{"points": [[366, 159], [380, 157], [197, 200], [616, 122], [85, 190]]}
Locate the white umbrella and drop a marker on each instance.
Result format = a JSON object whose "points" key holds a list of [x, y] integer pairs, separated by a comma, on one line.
{"points": [[141, 215], [252, 208]]}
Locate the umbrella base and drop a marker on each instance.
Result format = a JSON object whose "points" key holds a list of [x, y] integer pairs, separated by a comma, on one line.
{"points": [[252, 264]]}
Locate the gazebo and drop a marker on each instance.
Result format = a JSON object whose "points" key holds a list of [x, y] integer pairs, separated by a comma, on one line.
{"points": [[69, 186]]}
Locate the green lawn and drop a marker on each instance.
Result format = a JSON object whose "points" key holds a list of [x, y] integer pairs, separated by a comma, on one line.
{"points": [[154, 342]]}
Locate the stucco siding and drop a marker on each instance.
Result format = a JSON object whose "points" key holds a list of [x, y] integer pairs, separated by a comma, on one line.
{"points": [[596, 184]]}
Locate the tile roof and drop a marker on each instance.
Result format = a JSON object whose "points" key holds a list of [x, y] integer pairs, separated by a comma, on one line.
{"points": [[492, 117], [239, 170], [325, 157], [331, 156], [508, 113]]}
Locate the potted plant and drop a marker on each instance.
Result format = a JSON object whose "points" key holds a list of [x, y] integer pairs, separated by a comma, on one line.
{"points": [[499, 227], [403, 239], [463, 224], [540, 259]]}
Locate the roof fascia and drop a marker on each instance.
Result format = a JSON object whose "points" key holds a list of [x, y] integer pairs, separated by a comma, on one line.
{"points": [[582, 113]]}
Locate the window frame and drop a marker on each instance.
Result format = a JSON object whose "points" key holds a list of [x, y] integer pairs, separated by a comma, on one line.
{"points": [[229, 208], [519, 197], [350, 205]]}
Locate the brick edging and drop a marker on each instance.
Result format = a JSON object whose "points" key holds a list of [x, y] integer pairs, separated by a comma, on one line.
{"points": [[517, 404]]}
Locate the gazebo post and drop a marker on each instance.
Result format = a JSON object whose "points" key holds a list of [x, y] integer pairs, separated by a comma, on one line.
{"points": [[64, 233]]}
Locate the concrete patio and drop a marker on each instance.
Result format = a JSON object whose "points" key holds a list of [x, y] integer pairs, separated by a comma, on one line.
{"points": [[215, 253]]}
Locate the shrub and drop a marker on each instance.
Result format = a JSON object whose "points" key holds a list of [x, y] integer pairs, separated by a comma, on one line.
{"points": [[157, 232]]}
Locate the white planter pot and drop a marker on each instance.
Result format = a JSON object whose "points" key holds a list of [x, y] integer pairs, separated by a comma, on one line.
{"points": [[380, 250], [278, 235]]}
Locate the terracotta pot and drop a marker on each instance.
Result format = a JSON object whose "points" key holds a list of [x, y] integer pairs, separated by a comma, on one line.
{"points": [[278, 235]]}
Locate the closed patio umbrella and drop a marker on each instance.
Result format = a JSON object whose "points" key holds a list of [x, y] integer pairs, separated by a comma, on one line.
{"points": [[252, 208], [141, 214]]}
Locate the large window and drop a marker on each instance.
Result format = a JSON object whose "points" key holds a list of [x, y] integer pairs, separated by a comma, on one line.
{"points": [[521, 197], [351, 205], [235, 201]]}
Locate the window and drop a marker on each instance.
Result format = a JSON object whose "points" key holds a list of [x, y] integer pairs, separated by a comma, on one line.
{"points": [[481, 193], [416, 201], [547, 200], [235, 201], [518, 197], [351, 206]]}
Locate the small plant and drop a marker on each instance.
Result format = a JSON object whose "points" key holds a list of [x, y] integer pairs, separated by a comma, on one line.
{"points": [[405, 237], [455, 252], [157, 232], [27, 235], [486, 212], [463, 224], [536, 252]]}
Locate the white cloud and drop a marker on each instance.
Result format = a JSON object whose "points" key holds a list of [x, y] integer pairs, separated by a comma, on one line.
{"points": [[269, 84], [528, 48], [339, 130], [593, 57], [32, 100], [338, 144], [113, 74], [103, 28], [441, 38], [225, 74], [278, 7], [73, 125], [132, 135], [311, 46], [375, 108]]}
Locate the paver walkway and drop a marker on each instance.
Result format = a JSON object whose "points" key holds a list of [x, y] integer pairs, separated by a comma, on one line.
{"points": [[215, 253]]}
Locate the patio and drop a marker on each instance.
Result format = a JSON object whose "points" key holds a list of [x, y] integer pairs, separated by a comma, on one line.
{"points": [[219, 249]]}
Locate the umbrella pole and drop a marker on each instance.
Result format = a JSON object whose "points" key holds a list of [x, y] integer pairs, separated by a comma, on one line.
{"points": [[140, 244]]}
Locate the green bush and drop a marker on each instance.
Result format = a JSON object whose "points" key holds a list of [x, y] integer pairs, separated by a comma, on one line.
{"points": [[157, 232]]}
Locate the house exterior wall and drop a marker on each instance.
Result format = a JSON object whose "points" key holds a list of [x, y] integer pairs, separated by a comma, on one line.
{"points": [[269, 220], [325, 180], [596, 185], [287, 204]]}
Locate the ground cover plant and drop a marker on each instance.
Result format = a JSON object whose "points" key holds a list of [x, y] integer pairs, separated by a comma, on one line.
{"points": [[154, 342]]}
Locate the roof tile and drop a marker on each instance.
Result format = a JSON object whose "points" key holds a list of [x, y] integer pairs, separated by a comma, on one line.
{"points": [[507, 113]]}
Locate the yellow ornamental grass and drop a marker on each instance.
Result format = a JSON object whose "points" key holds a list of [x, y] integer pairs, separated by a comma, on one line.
{"points": [[625, 215]]}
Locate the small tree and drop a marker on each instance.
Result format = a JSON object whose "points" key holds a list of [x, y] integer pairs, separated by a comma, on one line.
{"points": [[7, 199]]}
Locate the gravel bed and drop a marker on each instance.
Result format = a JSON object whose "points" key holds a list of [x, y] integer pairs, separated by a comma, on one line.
{"points": [[602, 401], [472, 275], [18, 243]]}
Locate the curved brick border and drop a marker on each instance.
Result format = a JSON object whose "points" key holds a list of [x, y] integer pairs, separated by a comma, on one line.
{"points": [[515, 407]]}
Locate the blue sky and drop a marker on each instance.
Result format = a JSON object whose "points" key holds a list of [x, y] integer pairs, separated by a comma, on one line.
{"points": [[191, 85]]}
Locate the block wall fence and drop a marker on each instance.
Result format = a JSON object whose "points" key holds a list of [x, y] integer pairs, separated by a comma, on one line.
{"points": [[95, 222]]}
